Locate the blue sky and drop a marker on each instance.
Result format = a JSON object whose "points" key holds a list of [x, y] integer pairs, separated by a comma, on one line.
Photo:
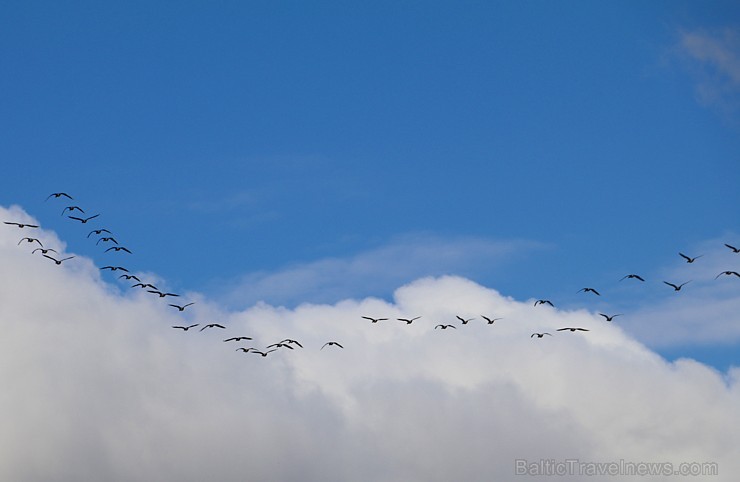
{"points": [[252, 137], [293, 165]]}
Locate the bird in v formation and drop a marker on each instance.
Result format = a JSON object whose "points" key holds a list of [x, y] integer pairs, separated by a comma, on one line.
{"points": [[287, 342]]}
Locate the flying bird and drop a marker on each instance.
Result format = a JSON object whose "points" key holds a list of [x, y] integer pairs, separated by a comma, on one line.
{"points": [[263, 353], [677, 288], [589, 290], [115, 268], [463, 320], [146, 285], [130, 276], [57, 261], [30, 240], [21, 225], [105, 240], [83, 220], [57, 195], [182, 308], [245, 350], [288, 340], [98, 232], [539, 335], [212, 325], [374, 320], [44, 250], [727, 273], [632, 276], [280, 345], [161, 295], [444, 327], [543, 302], [689, 259], [408, 320], [185, 328], [733, 248], [331, 343], [610, 318], [118, 248], [571, 329], [238, 338], [490, 320], [72, 209]]}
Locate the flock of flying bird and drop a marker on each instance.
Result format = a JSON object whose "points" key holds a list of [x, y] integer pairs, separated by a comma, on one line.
{"points": [[106, 237]]}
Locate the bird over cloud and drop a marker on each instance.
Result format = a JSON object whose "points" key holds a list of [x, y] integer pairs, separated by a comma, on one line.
{"points": [[97, 377]]}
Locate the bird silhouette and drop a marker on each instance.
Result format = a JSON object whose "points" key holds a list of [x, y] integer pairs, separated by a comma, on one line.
{"points": [[676, 287], [130, 277], [21, 225], [374, 320], [245, 350], [632, 276], [263, 353], [212, 325], [185, 328], [726, 273], [238, 338], [288, 340], [331, 343], [115, 268], [44, 250], [444, 327], [118, 248], [539, 335], [83, 220], [98, 232], [733, 248], [57, 261], [30, 240], [106, 240], [182, 308], [490, 320], [72, 209], [571, 329], [57, 195], [146, 285], [463, 320], [280, 345], [161, 295], [408, 320], [610, 318], [689, 259], [589, 290], [543, 302]]}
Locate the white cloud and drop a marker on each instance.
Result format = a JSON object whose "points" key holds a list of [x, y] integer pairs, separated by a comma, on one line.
{"points": [[399, 261], [716, 63], [97, 386]]}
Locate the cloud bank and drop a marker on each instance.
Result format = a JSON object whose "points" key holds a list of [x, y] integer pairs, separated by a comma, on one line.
{"points": [[98, 386]]}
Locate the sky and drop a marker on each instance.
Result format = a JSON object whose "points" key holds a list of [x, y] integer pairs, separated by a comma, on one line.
{"points": [[290, 167]]}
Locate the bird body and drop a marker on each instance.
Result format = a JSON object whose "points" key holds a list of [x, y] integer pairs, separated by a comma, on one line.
{"points": [[572, 329], [118, 248], [408, 320], [676, 287], [30, 240], [57, 195], [490, 320], [632, 276], [238, 338], [463, 320], [186, 328], [21, 225], [374, 320], [610, 318], [733, 248], [543, 302], [726, 273], [331, 343], [589, 290], [539, 335], [57, 261], [444, 327], [690, 259], [182, 308], [83, 220], [213, 325]]}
